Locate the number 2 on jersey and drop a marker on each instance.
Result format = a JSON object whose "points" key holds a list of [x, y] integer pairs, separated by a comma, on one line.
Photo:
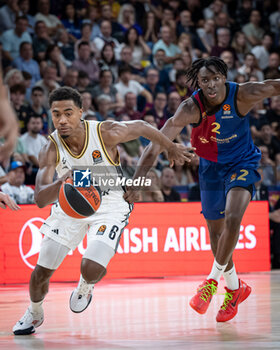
{"points": [[216, 128]]}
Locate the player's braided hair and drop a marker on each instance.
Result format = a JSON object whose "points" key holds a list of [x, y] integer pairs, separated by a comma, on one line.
{"points": [[213, 61]]}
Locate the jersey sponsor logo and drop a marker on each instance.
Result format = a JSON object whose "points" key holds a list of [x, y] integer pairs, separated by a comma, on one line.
{"points": [[63, 161], [96, 157], [30, 239], [101, 230], [226, 107], [203, 139], [81, 178]]}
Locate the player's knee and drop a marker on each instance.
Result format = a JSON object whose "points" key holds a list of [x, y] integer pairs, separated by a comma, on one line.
{"points": [[40, 275], [92, 271], [232, 221]]}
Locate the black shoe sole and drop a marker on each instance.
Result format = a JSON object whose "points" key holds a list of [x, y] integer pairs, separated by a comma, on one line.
{"points": [[78, 312], [26, 331]]}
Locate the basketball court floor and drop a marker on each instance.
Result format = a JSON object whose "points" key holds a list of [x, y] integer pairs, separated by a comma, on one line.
{"points": [[146, 314]]}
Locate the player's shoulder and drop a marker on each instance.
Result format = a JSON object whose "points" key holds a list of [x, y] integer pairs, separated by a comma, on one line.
{"points": [[49, 152]]}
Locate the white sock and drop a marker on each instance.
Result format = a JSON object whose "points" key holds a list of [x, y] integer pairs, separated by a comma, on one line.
{"points": [[82, 280], [217, 271], [231, 279], [36, 307]]}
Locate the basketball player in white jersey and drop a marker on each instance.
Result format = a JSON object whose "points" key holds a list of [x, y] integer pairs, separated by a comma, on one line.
{"points": [[72, 144]]}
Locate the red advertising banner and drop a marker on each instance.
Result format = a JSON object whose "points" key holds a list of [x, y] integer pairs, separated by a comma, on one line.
{"points": [[162, 239]]}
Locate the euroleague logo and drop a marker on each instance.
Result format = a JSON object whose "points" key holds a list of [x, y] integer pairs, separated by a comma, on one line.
{"points": [[30, 239]]}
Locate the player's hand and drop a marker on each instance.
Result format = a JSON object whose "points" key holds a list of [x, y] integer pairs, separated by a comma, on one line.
{"points": [[67, 175], [180, 153], [131, 195], [7, 201]]}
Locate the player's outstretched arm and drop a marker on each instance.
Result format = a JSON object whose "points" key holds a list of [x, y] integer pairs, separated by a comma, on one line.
{"points": [[8, 124], [251, 93], [187, 113], [114, 133], [46, 190]]}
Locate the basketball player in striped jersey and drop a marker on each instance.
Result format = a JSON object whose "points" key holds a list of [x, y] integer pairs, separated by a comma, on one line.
{"points": [[227, 171], [76, 143]]}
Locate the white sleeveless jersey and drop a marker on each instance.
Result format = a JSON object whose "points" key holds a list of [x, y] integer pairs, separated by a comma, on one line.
{"points": [[95, 156]]}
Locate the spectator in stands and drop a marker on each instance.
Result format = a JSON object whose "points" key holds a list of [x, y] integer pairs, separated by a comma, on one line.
{"points": [[37, 109], [12, 38], [106, 13], [106, 87], [180, 85], [273, 114], [243, 12], [171, 50], [223, 20], [212, 11], [185, 44], [13, 77], [253, 31], [261, 52], [241, 46], [41, 40], [261, 193], [228, 58], [127, 18], [273, 69], [268, 139], [66, 46], [86, 37], [24, 7], [192, 170], [85, 63], [8, 14], [256, 120], [173, 102], [181, 174], [52, 22], [159, 63], [126, 84], [33, 141], [152, 81], [158, 110], [83, 81], [274, 217], [140, 50], [130, 106], [223, 43], [150, 29], [207, 34], [71, 78], [126, 59], [168, 180], [92, 16], [103, 105], [88, 109], [267, 166], [48, 83], [25, 62], [274, 20], [71, 21], [250, 67], [106, 36], [153, 192], [186, 59], [15, 187], [54, 58], [108, 60], [149, 118], [17, 94]]}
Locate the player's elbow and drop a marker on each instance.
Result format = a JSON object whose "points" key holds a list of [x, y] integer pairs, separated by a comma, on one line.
{"points": [[39, 200]]}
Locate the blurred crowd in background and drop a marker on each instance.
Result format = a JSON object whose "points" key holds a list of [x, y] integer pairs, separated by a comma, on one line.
{"points": [[128, 60]]}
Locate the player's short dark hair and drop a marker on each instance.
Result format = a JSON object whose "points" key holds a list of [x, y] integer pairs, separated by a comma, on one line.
{"points": [[213, 61], [66, 93]]}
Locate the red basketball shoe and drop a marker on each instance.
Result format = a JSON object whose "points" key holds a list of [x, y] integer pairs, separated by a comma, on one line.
{"points": [[232, 299], [205, 291]]}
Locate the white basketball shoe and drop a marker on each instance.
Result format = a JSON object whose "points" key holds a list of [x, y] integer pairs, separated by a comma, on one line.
{"points": [[29, 321], [81, 296]]}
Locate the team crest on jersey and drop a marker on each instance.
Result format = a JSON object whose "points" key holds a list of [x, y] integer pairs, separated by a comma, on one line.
{"points": [[101, 230], [96, 157], [233, 177]]}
